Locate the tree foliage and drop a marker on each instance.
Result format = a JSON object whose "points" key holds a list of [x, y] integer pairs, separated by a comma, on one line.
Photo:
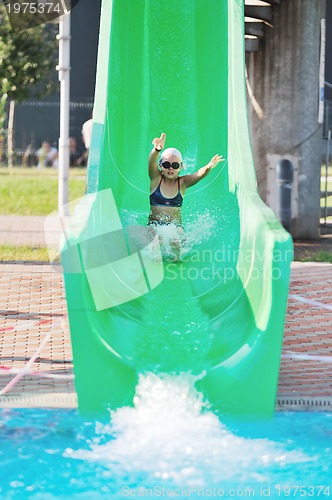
{"points": [[27, 60]]}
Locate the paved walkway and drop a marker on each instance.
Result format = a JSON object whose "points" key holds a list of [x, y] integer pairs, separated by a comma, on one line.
{"points": [[33, 310], [306, 370], [18, 230], [32, 315]]}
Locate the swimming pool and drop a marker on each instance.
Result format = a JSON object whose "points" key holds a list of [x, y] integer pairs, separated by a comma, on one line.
{"points": [[168, 445]]}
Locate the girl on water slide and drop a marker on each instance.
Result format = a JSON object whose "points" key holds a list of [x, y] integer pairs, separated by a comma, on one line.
{"points": [[167, 190]]}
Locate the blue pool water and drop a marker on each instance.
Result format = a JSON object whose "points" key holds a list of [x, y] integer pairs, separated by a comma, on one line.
{"points": [[167, 446]]}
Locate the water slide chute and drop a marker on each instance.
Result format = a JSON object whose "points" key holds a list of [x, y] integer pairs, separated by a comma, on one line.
{"points": [[178, 67]]}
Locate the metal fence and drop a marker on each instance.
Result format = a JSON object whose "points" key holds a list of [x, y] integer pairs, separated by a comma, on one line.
{"points": [[326, 174], [39, 121]]}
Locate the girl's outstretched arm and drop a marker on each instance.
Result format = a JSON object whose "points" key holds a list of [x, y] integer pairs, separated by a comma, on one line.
{"points": [[158, 145], [192, 179]]}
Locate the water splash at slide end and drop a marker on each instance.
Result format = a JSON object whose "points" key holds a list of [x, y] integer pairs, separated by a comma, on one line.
{"points": [[218, 313]]}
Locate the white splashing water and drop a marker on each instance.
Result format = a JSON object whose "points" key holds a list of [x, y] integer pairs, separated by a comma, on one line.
{"points": [[169, 437], [198, 229], [201, 228]]}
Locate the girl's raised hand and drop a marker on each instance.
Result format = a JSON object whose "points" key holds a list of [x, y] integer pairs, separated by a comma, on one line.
{"points": [[215, 160], [159, 142]]}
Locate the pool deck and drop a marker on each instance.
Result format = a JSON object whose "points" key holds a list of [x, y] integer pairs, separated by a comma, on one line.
{"points": [[33, 325]]}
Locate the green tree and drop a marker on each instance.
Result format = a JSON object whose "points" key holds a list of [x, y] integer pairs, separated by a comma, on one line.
{"points": [[27, 60]]}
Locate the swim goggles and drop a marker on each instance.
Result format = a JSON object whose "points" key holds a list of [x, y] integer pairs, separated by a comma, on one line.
{"points": [[166, 164]]}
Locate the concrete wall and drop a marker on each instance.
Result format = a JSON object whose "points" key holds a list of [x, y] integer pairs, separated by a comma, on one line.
{"points": [[284, 79]]}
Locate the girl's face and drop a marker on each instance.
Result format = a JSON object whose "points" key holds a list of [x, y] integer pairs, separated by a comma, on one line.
{"points": [[172, 162]]}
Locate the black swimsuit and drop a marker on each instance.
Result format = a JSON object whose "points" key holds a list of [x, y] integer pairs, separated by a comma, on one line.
{"points": [[158, 200]]}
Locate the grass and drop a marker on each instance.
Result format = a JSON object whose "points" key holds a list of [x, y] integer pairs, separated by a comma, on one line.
{"points": [[23, 253], [32, 191], [322, 256], [329, 171], [40, 172], [329, 188]]}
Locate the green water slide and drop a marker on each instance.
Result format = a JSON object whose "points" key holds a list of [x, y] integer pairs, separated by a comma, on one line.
{"points": [[174, 66]]}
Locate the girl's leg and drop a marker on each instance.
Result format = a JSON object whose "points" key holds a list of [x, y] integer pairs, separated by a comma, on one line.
{"points": [[177, 242]]}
